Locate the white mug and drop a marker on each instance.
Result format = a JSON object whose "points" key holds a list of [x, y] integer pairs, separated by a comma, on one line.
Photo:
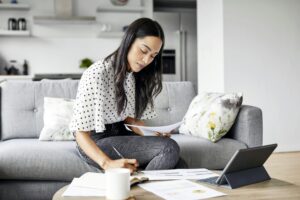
{"points": [[117, 183]]}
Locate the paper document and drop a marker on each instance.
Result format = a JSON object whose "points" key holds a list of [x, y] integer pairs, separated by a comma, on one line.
{"points": [[93, 184], [180, 189], [192, 174], [89, 184], [150, 130]]}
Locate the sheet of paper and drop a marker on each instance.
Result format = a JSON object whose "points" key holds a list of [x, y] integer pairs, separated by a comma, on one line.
{"points": [[76, 188], [89, 184], [149, 130], [92, 180], [180, 189], [172, 174]]}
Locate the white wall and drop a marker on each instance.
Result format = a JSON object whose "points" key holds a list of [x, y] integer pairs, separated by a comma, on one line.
{"points": [[262, 60], [58, 48], [55, 55], [210, 45]]}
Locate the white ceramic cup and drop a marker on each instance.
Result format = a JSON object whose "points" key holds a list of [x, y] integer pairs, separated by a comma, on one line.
{"points": [[117, 183]]}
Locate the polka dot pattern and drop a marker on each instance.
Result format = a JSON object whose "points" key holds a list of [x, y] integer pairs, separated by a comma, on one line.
{"points": [[95, 103]]}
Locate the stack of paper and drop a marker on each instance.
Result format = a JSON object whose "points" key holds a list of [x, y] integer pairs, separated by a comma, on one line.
{"points": [[93, 184], [89, 184], [172, 174]]}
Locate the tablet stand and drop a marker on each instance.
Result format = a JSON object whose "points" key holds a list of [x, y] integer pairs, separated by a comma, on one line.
{"points": [[246, 177]]}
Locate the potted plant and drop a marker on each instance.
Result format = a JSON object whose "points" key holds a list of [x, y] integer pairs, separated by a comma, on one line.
{"points": [[85, 63]]}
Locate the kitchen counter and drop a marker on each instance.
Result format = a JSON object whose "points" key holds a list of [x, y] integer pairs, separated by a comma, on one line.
{"points": [[15, 77]]}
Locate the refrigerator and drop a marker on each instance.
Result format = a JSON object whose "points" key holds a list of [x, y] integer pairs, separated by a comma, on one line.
{"points": [[180, 30]]}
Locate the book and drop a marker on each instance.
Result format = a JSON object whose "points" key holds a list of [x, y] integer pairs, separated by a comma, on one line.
{"points": [[136, 180]]}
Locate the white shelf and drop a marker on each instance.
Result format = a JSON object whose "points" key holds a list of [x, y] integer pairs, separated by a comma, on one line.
{"points": [[10, 6], [14, 33], [64, 20], [121, 9], [111, 34]]}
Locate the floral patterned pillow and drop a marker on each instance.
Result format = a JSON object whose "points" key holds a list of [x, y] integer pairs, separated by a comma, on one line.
{"points": [[211, 115]]}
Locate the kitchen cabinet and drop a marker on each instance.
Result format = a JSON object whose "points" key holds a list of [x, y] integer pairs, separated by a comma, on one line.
{"points": [[15, 77]]}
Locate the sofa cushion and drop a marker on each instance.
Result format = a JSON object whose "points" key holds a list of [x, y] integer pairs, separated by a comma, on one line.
{"points": [[22, 104], [201, 152], [172, 103], [31, 159]]}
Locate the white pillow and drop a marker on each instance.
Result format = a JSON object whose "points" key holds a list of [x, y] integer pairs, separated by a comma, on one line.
{"points": [[211, 115], [57, 116]]}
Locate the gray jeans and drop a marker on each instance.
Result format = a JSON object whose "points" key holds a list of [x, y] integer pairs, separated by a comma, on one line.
{"points": [[151, 152]]}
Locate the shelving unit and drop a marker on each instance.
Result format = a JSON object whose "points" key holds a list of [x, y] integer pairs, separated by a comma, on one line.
{"points": [[14, 7], [14, 33], [64, 20], [10, 6], [120, 9]]}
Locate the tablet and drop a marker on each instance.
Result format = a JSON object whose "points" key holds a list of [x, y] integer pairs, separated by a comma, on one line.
{"points": [[245, 163]]}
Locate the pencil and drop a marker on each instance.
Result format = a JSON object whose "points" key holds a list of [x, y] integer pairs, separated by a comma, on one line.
{"points": [[119, 154]]}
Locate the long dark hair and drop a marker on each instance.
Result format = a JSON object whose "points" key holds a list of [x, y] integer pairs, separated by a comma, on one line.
{"points": [[148, 80]]}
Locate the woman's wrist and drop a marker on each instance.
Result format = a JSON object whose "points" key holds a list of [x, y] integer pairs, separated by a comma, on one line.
{"points": [[133, 121], [104, 163]]}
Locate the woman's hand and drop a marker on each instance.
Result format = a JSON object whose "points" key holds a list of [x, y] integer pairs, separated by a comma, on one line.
{"points": [[163, 134], [130, 120], [130, 164]]}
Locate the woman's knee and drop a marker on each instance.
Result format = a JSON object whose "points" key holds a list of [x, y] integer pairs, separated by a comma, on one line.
{"points": [[171, 146]]}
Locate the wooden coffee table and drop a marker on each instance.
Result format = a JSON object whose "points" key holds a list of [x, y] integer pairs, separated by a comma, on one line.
{"points": [[273, 189], [285, 184], [136, 192]]}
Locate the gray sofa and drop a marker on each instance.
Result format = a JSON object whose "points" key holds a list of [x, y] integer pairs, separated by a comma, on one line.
{"points": [[33, 169]]}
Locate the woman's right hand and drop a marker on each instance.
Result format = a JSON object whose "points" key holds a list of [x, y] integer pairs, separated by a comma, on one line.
{"points": [[130, 164]]}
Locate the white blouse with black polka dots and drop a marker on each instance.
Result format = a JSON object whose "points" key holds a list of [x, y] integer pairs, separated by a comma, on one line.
{"points": [[95, 103]]}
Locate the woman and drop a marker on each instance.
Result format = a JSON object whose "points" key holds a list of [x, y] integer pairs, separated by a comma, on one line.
{"points": [[120, 89]]}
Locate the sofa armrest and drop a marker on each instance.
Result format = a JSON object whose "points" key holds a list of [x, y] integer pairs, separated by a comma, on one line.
{"points": [[248, 126]]}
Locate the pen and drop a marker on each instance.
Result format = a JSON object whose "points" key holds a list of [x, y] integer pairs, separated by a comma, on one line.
{"points": [[121, 156]]}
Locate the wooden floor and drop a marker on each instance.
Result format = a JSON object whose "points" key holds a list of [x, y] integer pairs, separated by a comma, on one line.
{"points": [[284, 168]]}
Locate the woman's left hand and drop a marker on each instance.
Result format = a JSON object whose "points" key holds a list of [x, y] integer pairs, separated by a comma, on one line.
{"points": [[163, 134], [133, 121]]}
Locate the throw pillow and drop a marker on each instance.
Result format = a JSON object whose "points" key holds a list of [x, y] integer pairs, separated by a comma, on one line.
{"points": [[211, 115], [57, 116]]}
